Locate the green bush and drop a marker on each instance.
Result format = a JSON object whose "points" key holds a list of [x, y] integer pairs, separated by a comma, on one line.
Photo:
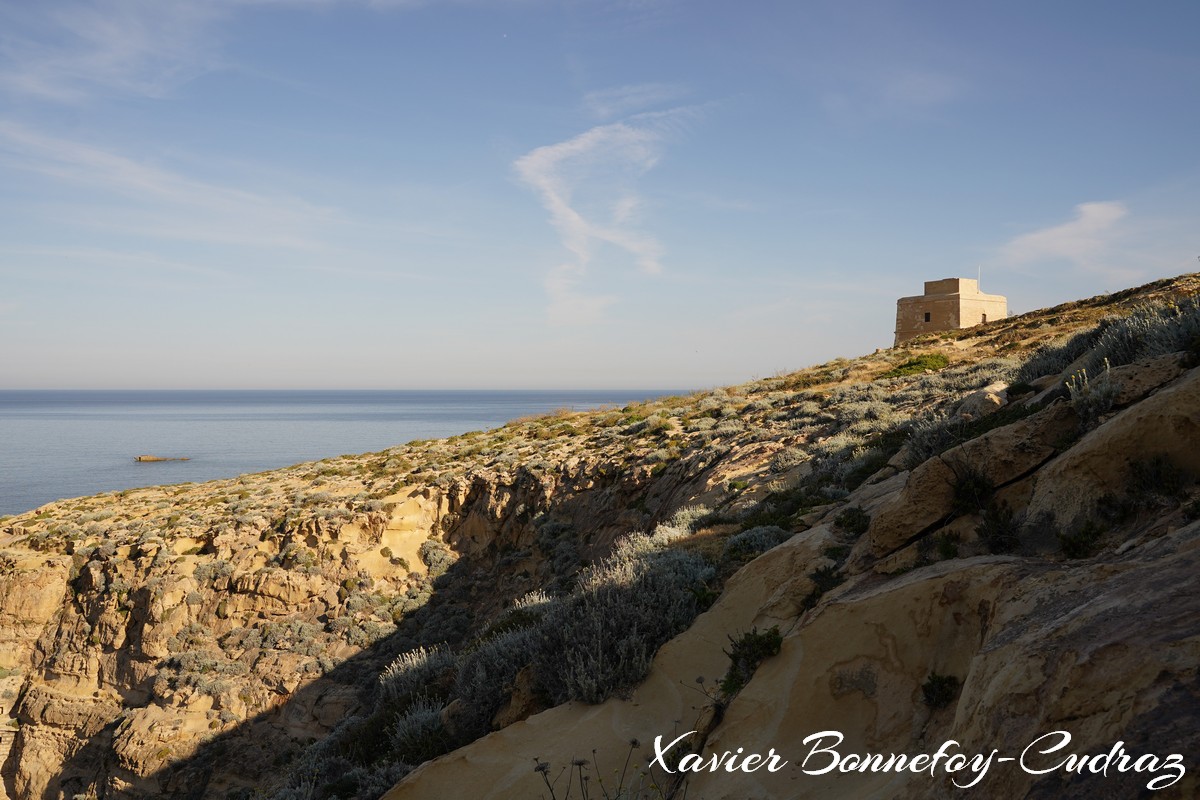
{"points": [[939, 691], [928, 361], [745, 654], [823, 579], [946, 545], [853, 520], [1053, 358], [1157, 477], [972, 490]]}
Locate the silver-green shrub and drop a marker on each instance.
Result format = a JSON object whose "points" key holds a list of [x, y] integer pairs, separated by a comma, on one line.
{"points": [[755, 541], [599, 640], [411, 672]]}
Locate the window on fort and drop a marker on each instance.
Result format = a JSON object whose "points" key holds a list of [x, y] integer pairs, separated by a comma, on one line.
{"points": [[927, 316], [984, 318]]}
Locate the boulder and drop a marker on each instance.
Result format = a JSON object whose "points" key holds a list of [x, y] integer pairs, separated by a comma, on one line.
{"points": [[982, 402]]}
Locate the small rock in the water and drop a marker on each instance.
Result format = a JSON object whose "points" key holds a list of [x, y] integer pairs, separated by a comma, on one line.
{"points": [[157, 458]]}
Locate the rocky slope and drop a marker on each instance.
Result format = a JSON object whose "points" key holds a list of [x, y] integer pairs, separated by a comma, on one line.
{"points": [[953, 524]]}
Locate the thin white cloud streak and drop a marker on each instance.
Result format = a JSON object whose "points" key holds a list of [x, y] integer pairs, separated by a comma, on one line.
{"points": [[166, 204], [621, 101], [1088, 241], [72, 52], [68, 52], [596, 170]]}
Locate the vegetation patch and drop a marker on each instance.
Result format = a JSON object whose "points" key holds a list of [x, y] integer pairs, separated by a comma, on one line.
{"points": [[1082, 542], [823, 579], [745, 654], [999, 529], [927, 362], [939, 691], [853, 520]]}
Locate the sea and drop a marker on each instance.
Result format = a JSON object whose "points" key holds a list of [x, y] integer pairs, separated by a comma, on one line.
{"points": [[60, 444]]}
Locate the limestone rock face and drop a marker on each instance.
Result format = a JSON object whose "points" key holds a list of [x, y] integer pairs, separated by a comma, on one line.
{"points": [[1106, 650], [134, 654], [1025, 667], [1164, 425], [1000, 457], [1140, 379]]}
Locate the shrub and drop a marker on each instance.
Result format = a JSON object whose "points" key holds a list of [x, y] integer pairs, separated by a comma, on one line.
{"points": [[418, 734], [946, 545], [486, 674], [525, 612], [1053, 358], [754, 541], [787, 459], [599, 640], [1092, 399], [1147, 331], [1082, 542], [823, 579], [415, 672], [972, 490], [998, 528], [689, 518], [745, 654], [436, 555], [210, 572], [932, 435], [853, 520], [939, 691], [1156, 477]]}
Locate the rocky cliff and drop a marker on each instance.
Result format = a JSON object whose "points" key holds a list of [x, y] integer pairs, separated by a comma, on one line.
{"points": [[985, 537]]}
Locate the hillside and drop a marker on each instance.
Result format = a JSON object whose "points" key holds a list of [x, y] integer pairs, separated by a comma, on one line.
{"points": [[948, 541]]}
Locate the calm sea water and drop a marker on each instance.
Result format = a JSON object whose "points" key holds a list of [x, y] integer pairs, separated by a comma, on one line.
{"points": [[56, 444]]}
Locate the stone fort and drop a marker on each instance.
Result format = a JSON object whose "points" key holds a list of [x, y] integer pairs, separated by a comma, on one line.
{"points": [[946, 305]]}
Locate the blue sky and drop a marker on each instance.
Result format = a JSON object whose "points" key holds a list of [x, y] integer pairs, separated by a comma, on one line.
{"points": [[590, 193]]}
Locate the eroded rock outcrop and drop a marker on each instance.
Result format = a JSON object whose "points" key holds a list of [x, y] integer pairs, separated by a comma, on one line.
{"points": [[1107, 648]]}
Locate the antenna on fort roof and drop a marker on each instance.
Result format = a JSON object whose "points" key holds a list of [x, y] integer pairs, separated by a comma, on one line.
{"points": [[978, 274]]}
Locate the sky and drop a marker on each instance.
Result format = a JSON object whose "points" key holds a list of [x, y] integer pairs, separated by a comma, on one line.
{"points": [[565, 193]]}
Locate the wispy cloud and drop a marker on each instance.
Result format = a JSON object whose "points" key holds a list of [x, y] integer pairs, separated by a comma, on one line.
{"points": [[623, 100], [74, 51], [587, 184], [1088, 241], [67, 52], [161, 203]]}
